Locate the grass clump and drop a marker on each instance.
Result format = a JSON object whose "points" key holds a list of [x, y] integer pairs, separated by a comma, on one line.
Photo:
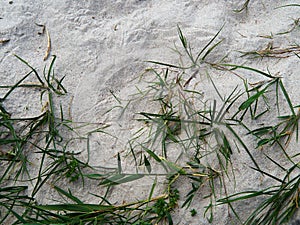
{"points": [[43, 136], [207, 133], [21, 137]]}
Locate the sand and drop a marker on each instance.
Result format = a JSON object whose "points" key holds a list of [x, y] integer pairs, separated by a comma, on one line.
{"points": [[103, 46]]}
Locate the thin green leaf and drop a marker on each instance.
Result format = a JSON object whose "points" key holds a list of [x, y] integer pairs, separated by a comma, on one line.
{"points": [[210, 50], [181, 37], [234, 67], [15, 86], [167, 64], [286, 95], [153, 155], [68, 195], [75, 207], [252, 99], [208, 44], [147, 164]]}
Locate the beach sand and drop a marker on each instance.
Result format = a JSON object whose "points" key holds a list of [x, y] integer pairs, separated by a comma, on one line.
{"points": [[102, 48]]}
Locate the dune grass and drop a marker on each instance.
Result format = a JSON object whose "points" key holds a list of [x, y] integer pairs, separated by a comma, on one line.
{"points": [[188, 136]]}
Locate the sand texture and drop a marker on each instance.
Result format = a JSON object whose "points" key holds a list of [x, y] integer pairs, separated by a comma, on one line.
{"points": [[103, 48]]}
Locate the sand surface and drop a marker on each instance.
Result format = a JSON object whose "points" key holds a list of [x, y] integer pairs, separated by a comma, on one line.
{"points": [[102, 48]]}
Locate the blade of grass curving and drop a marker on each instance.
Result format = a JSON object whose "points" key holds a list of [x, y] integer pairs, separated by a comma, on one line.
{"points": [[245, 195], [47, 75], [34, 71], [234, 67], [3, 112], [288, 5]]}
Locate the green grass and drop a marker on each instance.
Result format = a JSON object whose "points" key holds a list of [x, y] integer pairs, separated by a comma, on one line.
{"points": [[188, 137]]}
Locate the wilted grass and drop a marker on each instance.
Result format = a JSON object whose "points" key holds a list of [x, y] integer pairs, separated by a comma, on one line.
{"points": [[274, 52]]}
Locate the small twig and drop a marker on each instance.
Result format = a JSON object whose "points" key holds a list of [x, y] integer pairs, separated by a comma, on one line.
{"points": [[3, 41]]}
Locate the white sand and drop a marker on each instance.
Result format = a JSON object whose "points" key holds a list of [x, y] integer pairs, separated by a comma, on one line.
{"points": [[102, 45]]}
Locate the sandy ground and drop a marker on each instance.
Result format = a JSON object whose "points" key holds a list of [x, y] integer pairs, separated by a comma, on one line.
{"points": [[101, 46]]}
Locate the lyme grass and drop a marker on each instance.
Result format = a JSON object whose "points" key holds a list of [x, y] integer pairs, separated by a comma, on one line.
{"points": [[207, 131], [280, 201], [40, 135], [149, 211], [185, 136], [201, 133]]}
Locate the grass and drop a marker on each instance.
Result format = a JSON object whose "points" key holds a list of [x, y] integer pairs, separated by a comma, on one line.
{"points": [[188, 137], [243, 7], [275, 52], [209, 131]]}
